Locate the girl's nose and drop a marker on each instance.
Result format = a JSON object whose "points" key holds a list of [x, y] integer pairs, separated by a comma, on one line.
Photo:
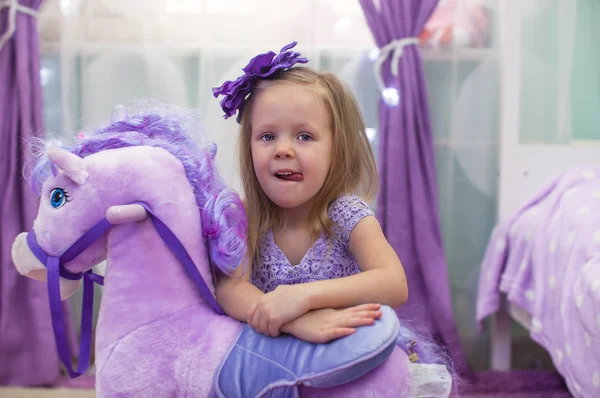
{"points": [[284, 150]]}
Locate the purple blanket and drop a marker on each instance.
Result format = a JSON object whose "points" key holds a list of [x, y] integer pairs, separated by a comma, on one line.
{"points": [[546, 259]]}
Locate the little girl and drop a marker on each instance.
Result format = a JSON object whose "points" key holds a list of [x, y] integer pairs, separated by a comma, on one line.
{"points": [[317, 254]]}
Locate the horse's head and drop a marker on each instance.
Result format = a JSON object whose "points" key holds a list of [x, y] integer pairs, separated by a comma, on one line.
{"points": [[95, 185], [69, 206]]}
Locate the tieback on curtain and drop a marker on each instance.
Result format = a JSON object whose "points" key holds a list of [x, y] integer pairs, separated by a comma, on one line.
{"points": [[13, 6], [390, 94]]}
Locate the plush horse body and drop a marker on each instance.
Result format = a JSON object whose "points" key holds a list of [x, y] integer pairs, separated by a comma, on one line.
{"points": [[156, 335]]}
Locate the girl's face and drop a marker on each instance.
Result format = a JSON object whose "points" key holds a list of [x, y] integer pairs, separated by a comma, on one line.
{"points": [[291, 143]]}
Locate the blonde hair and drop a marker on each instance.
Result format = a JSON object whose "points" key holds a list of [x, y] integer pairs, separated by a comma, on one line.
{"points": [[353, 168]]}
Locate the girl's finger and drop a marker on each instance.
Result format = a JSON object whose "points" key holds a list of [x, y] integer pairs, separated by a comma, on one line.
{"points": [[264, 325], [368, 314], [256, 321], [250, 315], [273, 330], [336, 333], [356, 321], [364, 307]]}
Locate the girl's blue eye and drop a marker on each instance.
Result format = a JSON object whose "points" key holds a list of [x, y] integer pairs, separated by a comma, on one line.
{"points": [[58, 198], [305, 137], [267, 137]]}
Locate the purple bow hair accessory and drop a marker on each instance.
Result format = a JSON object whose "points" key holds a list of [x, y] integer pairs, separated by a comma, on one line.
{"points": [[260, 67]]}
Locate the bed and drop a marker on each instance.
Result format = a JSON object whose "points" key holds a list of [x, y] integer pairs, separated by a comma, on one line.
{"points": [[542, 269]]}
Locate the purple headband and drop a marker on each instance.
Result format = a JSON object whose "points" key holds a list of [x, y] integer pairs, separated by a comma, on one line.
{"points": [[260, 67]]}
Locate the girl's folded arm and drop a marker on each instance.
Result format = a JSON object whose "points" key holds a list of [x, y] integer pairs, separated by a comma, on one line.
{"points": [[382, 279], [235, 294]]}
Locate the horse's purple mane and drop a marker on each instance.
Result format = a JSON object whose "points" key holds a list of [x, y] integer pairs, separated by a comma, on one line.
{"points": [[223, 219]]}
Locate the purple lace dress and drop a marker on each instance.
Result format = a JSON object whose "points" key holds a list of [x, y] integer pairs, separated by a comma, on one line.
{"points": [[272, 268]]}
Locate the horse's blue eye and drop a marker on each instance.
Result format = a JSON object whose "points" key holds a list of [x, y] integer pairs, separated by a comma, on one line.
{"points": [[58, 197]]}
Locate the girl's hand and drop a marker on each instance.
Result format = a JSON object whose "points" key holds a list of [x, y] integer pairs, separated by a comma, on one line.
{"points": [[276, 308], [324, 325]]}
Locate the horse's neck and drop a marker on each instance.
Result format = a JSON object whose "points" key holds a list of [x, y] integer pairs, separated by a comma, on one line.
{"points": [[144, 281]]}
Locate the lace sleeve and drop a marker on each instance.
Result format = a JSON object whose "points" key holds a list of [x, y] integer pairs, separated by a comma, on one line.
{"points": [[345, 212]]}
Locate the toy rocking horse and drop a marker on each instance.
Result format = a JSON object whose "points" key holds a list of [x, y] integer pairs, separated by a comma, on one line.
{"points": [[145, 196]]}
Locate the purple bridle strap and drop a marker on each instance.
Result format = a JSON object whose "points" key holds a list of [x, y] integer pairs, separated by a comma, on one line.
{"points": [[58, 324], [56, 269]]}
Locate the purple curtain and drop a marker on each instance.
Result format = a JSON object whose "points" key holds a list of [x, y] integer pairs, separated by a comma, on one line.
{"points": [[407, 203], [27, 351]]}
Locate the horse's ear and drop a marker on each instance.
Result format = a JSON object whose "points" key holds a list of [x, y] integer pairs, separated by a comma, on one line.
{"points": [[72, 165], [28, 265]]}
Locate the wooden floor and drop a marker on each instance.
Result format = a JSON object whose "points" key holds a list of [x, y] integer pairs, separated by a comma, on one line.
{"points": [[10, 392]]}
